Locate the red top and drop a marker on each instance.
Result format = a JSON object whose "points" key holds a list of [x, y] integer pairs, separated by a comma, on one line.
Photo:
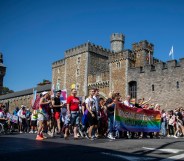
{"points": [[73, 103]]}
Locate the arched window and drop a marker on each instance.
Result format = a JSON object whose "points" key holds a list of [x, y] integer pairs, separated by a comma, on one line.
{"points": [[153, 87], [118, 64], [177, 85], [133, 89]]}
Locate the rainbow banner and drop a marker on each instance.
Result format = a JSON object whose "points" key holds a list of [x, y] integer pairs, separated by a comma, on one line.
{"points": [[137, 119]]}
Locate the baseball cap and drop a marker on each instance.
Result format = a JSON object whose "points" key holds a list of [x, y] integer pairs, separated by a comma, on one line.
{"points": [[44, 93]]}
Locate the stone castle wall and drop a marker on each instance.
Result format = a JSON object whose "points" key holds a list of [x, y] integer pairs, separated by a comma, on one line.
{"points": [[24, 97], [167, 79]]}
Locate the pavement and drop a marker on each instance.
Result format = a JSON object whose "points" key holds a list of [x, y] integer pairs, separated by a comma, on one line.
{"points": [[24, 147]]}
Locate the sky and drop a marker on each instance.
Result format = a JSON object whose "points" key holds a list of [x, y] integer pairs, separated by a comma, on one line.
{"points": [[35, 33]]}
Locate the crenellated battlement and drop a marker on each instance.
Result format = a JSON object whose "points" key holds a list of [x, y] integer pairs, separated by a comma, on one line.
{"points": [[117, 37], [85, 48], [142, 45], [169, 65], [58, 63], [126, 54]]}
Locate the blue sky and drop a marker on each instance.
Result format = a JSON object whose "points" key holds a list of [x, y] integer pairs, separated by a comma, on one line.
{"points": [[35, 33]]}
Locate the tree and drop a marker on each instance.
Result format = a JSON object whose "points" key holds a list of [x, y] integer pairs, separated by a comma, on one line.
{"points": [[44, 82], [6, 90]]}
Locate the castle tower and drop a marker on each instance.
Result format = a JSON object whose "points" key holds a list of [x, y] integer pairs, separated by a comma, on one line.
{"points": [[143, 53], [2, 72], [117, 42]]}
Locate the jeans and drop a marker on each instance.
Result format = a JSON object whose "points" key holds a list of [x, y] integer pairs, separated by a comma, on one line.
{"points": [[163, 128], [171, 130], [111, 123]]}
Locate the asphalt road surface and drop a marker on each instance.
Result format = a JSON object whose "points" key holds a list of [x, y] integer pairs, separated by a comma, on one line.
{"points": [[24, 147]]}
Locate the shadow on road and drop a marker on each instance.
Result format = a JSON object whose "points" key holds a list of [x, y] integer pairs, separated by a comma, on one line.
{"points": [[23, 149]]}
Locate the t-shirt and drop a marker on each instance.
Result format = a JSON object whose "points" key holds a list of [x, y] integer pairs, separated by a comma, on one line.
{"points": [[73, 103], [91, 103], [57, 101], [96, 103], [1, 114], [110, 108]]}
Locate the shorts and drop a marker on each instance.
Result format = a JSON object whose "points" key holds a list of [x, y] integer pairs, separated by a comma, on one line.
{"points": [[74, 118], [41, 117], [33, 122], [92, 120], [57, 115]]}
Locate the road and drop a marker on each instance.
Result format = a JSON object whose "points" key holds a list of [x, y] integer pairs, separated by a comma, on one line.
{"points": [[24, 147]]}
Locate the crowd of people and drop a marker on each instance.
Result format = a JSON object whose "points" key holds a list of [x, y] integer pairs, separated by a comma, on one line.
{"points": [[93, 118]]}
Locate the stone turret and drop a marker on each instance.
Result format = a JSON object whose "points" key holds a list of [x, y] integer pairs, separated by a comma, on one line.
{"points": [[117, 42], [2, 72], [143, 53]]}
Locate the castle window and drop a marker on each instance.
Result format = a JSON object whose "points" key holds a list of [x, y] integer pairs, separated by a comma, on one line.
{"points": [[141, 70], [78, 60], [78, 72], [77, 86], [118, 65], [177, 85], [153, 87], [133, 89], [58, 71]]}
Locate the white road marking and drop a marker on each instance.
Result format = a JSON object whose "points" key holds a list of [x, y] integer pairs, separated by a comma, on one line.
{"points": [[176, 157], [175, 151], [130, 158]]}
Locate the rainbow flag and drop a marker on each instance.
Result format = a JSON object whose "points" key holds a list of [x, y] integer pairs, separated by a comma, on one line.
{"points": [[63, 96], [137, 119]]}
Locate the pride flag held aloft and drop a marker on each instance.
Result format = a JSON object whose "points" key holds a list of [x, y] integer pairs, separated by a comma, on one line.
{"points": [[137, 119]]}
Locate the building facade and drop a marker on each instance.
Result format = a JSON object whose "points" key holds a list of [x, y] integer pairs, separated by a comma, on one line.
{"points": [[2, 73], [128, 71], [24, 97]]}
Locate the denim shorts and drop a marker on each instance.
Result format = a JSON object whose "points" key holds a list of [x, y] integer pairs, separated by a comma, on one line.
{"points": [[74, 118]]}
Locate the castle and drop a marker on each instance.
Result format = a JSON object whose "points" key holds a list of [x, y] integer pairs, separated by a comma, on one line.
{"points": [[2, 73], [135, 72], [128, 71]]}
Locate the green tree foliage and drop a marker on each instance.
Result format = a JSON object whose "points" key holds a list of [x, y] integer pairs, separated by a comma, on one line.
{"points": [[6, 90]]}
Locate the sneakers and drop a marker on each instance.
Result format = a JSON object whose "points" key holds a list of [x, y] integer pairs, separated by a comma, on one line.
{"points": [[31, 132], [90, 138], [50, 134], [81, 133], [38, 137], [110, 137], [44, 137], [21, 132]]}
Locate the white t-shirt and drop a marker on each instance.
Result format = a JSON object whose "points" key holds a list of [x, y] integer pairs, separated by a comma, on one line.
{"points": [[127, 103], [1, 115], [96, 102], [91, 103]]}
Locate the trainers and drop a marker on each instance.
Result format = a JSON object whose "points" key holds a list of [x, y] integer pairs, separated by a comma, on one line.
{"points": [[38, 137], [31, 132], [44, 137], [49, 133], [35, 132], [110, 137], [81, 133], [93, 137], [21, 132]]}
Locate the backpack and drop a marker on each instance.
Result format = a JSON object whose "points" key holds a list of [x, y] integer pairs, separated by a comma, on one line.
{"points": [[36, 103]]}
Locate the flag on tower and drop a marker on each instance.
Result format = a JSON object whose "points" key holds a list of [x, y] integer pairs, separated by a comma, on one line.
{"points": [[171, 53]]}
